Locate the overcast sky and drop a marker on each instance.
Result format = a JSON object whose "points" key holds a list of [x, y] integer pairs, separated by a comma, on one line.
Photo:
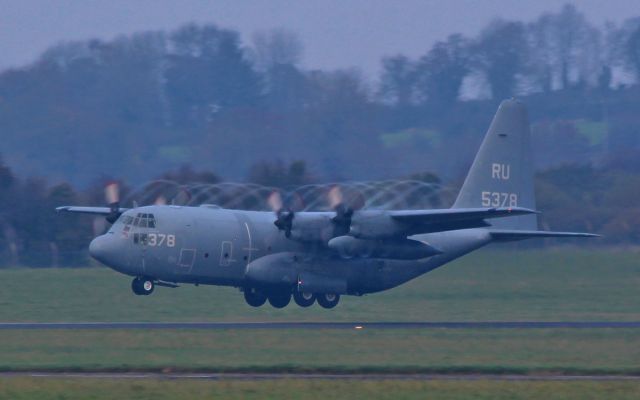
{"points": [[335, 33]]}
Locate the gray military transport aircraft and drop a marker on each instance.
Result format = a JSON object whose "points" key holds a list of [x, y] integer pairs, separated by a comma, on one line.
{"points": [[319, 256]]}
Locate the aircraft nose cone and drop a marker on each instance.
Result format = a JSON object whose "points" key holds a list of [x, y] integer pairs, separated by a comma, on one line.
{"points": [[99, 248]]}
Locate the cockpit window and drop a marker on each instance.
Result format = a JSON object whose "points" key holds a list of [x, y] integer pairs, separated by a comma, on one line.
{"points": [[142, 220]]}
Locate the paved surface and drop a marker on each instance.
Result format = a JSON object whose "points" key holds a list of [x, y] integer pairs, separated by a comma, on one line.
{"points": [[323, 325], [317, 376]]}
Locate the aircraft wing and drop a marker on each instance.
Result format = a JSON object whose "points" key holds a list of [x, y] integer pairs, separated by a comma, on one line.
{"points": [[89, 210], [508, 235], [426, 221]]}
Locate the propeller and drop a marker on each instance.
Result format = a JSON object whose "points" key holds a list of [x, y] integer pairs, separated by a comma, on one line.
{"points": [[284, 215], [344, 209], [112, 195]]}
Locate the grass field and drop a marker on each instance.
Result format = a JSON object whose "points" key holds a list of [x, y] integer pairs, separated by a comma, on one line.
{"points": [[552, 285], [442, 351], [489, 285], [40, 389]]}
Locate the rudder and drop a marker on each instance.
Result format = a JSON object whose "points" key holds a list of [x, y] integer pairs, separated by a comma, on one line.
{"points": [[502, 173]]}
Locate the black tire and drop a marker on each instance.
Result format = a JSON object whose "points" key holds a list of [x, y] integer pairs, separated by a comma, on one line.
{"points": [[136, 287], [254, 297], [328, 300], [143, 286], [304, 299], [279, 299]]}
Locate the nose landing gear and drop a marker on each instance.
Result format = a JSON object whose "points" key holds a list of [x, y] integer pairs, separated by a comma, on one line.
{"points": [[142, 286]]}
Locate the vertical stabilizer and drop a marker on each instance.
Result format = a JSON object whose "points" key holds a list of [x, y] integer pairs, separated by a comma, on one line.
{"points": [[502, 172]]}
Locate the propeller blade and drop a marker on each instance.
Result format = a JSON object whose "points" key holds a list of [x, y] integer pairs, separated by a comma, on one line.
{"points": [[112, 193], [335, 197], [284, 215], [345, 205], [112, 196], [275, 201]]}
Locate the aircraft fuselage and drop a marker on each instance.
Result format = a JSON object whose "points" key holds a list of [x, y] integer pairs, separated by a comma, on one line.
{"points": [[206, 245]]}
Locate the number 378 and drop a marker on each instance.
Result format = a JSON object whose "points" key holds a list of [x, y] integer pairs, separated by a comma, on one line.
{"points": [[159, 239], [499, 199]]}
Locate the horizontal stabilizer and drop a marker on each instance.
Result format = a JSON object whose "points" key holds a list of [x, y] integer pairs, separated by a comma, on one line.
{"points": [[457, 214], [89, 210], [413, 222], [504, 235]]}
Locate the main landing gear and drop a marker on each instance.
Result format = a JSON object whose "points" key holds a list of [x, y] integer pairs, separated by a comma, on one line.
{"points": [[304, 299], [280, 299], [328, 300], [254, 297], [142, 286]]}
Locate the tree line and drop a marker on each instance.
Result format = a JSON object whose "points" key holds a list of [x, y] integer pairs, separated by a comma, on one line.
{"points": [[152, 101], [557, 51], [577, 198]]}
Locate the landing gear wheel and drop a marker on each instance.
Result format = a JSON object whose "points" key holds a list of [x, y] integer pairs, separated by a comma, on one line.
{"points": [[142, 286], [254, 297], [304, 299], [279, 299], [328, 300], [135, 286]]}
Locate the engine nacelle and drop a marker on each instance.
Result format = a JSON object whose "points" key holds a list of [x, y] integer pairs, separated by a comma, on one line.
{"points": [[395, 249], [376, 225]]}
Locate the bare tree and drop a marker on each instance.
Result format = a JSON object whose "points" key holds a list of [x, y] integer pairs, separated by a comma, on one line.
{"points": [[632, 51], [565, 49], [442, 70], [397, 83], [500, 53], [276, 47]]}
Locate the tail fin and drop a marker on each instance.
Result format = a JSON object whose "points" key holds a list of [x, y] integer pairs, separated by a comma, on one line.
{"points": [[502, 172]]}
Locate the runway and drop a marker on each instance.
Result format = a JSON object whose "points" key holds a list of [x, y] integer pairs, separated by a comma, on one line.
{"points": [[250, 376], [322, 325]]}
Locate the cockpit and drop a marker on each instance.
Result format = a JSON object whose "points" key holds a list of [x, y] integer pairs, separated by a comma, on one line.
{"points": [[141, 220], [137, 223]]}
